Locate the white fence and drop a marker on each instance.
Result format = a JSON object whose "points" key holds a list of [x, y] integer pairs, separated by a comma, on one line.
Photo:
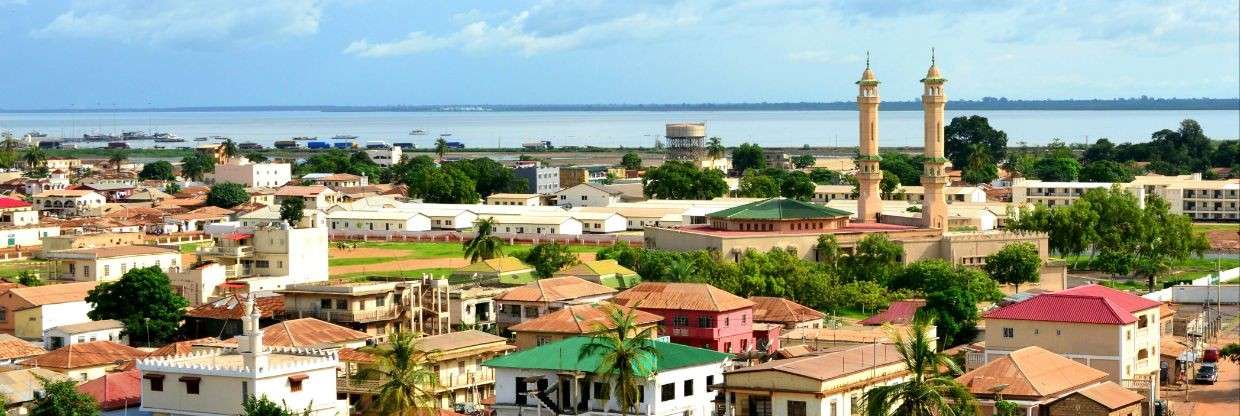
{"points": [[1201, 289]]}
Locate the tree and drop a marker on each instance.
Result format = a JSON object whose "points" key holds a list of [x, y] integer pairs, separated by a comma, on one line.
{"points": [[143, 300], [447, 184], [631, 161], [1056, 169], [824, 176], [1106, 171], [227, 195], [441, 148], [291, 210], [29, 278], [172, 188], [548, 258], [803, 161], [230, 149], [828, 250], [755, 185], [159, 171], [683, 180], [409, 382], [341, 161], [907, 169], [484, 245], [624, 355], [876, 258], [1231, 352], [489, 176], [929, 391], [34, 158], [715, 149], [888, 184], [748, 156], [197, 165], [1099, 151], [1015, 264], [62, 398], [964, 133], [117, 158], [952, 293], [798, 186], [262, 406], [980, 168], [256, 157]]}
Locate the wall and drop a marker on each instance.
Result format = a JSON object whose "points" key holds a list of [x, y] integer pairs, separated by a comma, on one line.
{"points": [[223, 395], [109, 269], [34, 322], [1228, 294]]}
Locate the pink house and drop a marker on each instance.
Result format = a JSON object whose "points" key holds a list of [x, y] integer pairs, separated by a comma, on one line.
{"points": [[700, 315]]}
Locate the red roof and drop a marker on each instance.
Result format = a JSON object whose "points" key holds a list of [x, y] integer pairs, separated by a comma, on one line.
{"points": [[236, 236], [899, 313], [115, 390], [12, 203], [1090, 304]]}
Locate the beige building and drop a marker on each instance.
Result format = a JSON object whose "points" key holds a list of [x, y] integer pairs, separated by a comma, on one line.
{"points": [[1040, 382], [578, 320], [371, 307], [821, 384], [337, 180], [90, 240], [315, 196], [1103, 328], [27, 312], [273, 249], [529, 200], [110, 263], [458, 357], [548, 295], [70, 202], [473, 307], [1201, 200]]}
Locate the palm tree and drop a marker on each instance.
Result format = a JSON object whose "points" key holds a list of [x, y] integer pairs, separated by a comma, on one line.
{"points": [[116, 159], [34, 158], [681, 270], [441, 147], [715, 148], [929, 392], [408, 379], [230, 149], [626, 356], [485, 245]]}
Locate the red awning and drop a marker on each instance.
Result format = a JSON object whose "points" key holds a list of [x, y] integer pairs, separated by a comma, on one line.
{"points": [[236, 236]]}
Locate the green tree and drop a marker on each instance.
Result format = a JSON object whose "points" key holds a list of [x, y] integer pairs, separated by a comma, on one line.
{"points": [[143, 300], [262, 406], [755, 185], [823, 176], [682, 180], [889, 184], [1056, 169], [159, 171], [230, 148], [715, 149], [952, 293], [441, 148], [866, 295], [446, 185], [227, 195], [748, 156], [489, 176], [907, 169], [965, 135], [631, 161], [292, 210], [1231, 352], [197, 165], [803, 161], [828, 250], [980, 168], [929, 391], [625, 354], [62, 398], [117, 158], [484, 245], [409, 382], [548, 258], [256, 157], [798, 186], [172, 188], [1106, 171], [1101, 150], [29, 278], [1014, 264], [34, 158], [341, 161], [876, 258]]}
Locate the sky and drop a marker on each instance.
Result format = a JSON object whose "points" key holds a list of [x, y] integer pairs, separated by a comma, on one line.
{"points": [[167, 53]]}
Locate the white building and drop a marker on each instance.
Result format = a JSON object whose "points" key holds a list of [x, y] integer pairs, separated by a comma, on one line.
{"points": [[601, 222], [972, 194], [586, 195], [70, 202], [531, 224], [553, 377], [240, 170], [385, 156], [105, 330], [376, 222], [270, 249], [1200, 199], [530, 200], [104, 264], [217, 382]]}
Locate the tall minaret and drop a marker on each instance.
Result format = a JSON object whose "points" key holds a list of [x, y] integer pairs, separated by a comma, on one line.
{"points": [[868, 173], [250, 343], [934, 179]]}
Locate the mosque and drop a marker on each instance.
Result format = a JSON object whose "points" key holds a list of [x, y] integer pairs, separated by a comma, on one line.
{"points": [[796, 225]]}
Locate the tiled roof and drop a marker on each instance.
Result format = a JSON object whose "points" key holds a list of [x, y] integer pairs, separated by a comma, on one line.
{"points": [[18, 385], [338, 177], [1031, 372], [565, 355], [233, 307], [900, 312], [181, 347], [350, 355], [779, 209], [302, 191], [771, 309], [456, 340], [1110, 395], [1092, 304], [833, 364], [86, 354], [6, 203], [555, 289], [309, 332], [53, 294], [115, 390], [12, 348], [582, 319], [682, 296], [596, 268], [65, 193]]}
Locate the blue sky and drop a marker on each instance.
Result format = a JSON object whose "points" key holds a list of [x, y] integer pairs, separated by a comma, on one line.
{"points": [[88, 53]]}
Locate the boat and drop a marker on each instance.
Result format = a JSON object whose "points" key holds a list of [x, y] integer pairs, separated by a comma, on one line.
{"points": [[417, 132], [136, 135], [249, 146], [445, 135], [201, 139], [343, 145], [167, 138], [286, 144], [98, 137], [118, 145], [318, 145], [305, 138], [344, 137], [35, 134]]}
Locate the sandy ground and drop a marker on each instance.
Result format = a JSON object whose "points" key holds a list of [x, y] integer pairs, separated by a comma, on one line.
{"points": [[335, 253], [1224, 240]]}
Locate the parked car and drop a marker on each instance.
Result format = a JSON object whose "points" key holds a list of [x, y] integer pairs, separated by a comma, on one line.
{"points": [[1206, 374]]}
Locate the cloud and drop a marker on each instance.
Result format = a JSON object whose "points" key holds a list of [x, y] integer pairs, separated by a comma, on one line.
{"points": [[551, 26], [186, 22]]}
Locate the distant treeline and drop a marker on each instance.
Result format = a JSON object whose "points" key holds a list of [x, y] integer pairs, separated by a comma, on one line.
{"points": [[986, 103]]}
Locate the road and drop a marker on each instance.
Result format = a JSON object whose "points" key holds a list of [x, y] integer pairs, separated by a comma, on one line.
{"points": [[1221, 398]]}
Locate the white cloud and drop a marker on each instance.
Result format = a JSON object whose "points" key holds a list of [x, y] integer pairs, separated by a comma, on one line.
{"points": [[187, 22]]}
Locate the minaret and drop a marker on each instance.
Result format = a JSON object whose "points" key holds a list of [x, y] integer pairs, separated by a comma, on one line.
{"points": [[250, 343], [933, 178], [868, 173]]}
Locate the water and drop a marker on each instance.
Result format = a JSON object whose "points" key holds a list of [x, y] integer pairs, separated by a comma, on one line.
{"points": [[610, 129]]}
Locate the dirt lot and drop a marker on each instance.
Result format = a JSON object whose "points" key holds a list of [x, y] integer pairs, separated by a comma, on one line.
{"points": [[1224, 240], [1221, 398], [410, 264], [335, 253]]}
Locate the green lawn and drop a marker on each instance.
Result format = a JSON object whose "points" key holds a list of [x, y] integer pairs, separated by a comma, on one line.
{"points": [[13, 268], [438, 250], [191, 247], [1204, 227]]}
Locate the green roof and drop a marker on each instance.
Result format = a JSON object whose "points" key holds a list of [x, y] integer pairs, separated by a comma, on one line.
{"points": [[563, 356], [779, 209]]}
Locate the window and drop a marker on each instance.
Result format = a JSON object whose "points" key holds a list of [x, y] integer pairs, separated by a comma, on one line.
{"points": [[1128, 334], [680, 321], [294, 382], [710, 381], [744, 345], [796, 408], [543, 341], [325, 303], [342, 304], [262, 264], [688, 388], [744, 318], [520, 393], [157, 381], [727, 347], [601, 392], [1009, 332], [668, 392], [460, 366], [191, 384], [727, 321], [4, 315], [705, 322], [381, 300]]}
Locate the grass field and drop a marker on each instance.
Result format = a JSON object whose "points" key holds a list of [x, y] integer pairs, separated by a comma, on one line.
{"points": [[13, 268], [1206, 227], [433, 250], [394, 275]]}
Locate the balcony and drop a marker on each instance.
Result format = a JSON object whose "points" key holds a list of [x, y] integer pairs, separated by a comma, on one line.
{"points": [[357, 386], [234, 251], [333, 315], [467, 379], [974, 359]]}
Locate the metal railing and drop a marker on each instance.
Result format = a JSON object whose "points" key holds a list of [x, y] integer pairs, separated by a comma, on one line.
{"points": [[236, 251], [389, 312]]}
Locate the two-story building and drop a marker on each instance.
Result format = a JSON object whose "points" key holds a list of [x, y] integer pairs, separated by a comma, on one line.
{"points": [[557, 377], [70, 202], [473, 307], [106, 264], [271, 249], [579, 320], [587, 195], [829, 383], [371, 307], [29, 311], [105, 330], [544, 296], [1103, 328], [315, 196], [457, 359], [336, 180], [699, 314], [240, 170]]}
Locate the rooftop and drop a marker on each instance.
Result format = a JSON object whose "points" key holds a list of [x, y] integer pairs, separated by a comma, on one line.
{"points": [[582, 319], [111, 252], [53, 294], [90, 326], [900, 312], [301, 191], [1110, 395], [565, 355], [18, 385], [12, 348], [596, 268], [233, 307], [9, 203], [831, 365], [115, 390], [308, 333], [496, 265], [779, 209], [86, 354], [555, 289], [457, 340], [681, 296], [852, 228], [1030, 372], [771, 309], [1089, 304]]}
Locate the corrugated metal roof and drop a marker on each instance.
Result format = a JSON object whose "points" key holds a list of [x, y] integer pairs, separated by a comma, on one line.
{"points": [[582, 319], [1110, 395], [681, 296], [779, 209], [555, 289], [780, 310], [1092, 304], [1030, 372]]}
